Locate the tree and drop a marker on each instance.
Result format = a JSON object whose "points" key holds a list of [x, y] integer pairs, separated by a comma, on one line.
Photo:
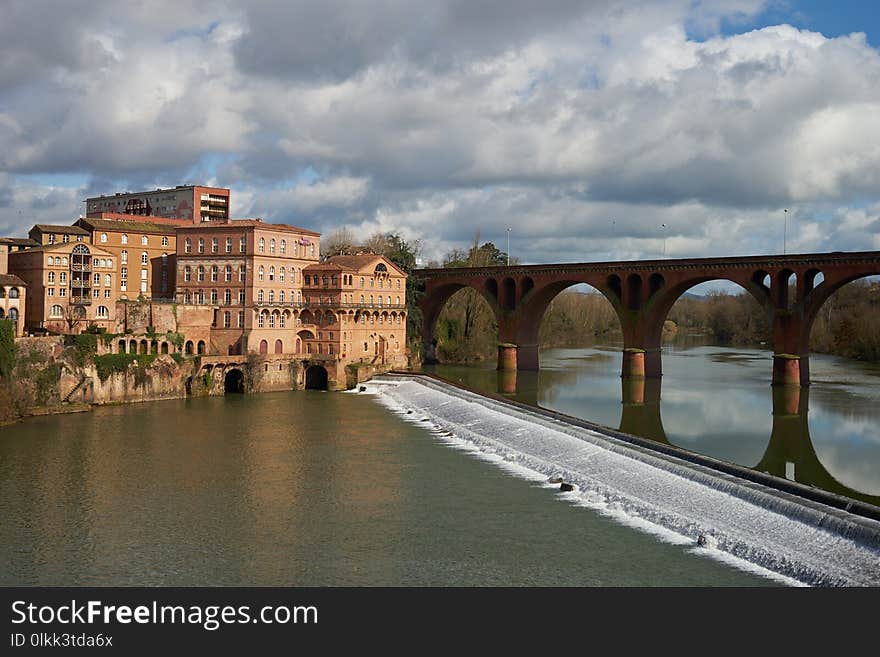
{"points": [[7, 347], [339, 242], [74, 315]]}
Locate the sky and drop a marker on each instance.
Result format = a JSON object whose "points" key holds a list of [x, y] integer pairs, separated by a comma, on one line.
{"points": [[594, 130]]}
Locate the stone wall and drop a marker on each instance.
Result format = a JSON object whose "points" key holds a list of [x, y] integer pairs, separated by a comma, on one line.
{"points": [[48, 348]]}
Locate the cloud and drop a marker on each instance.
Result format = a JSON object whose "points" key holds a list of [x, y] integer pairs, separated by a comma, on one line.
{"points": [[583, 125]]}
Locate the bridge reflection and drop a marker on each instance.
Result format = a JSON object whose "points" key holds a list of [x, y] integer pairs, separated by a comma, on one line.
{"points": [[789, 453]]}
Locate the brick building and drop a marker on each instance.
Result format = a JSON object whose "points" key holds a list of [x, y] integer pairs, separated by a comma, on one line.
{"points": [[13, 297], [10, 244]]}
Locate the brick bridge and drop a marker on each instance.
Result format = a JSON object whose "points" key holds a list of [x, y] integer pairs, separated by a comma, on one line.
{"points": [[791, 289]]}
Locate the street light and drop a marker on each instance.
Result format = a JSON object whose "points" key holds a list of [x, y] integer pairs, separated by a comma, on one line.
{"points": [[508, 246], [785, 231], [663, 226]]}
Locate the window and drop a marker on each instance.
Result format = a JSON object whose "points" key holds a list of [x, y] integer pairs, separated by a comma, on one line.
{"points": [[62, 292], [143, 274], [143, 287], [124, 238], [65, 238], [51, 276], [96, 279], [62, 277], [398, 283], [95, 262], [103, 237], [242, 245], [215, 245], [103, 262], [227, 319], [271, 296], [51, 261], [164, 240], [102, 312], [187, 273], [56, 311], [50, 292], [201, 245], [281, 321], [271, 273], [241, 297], [228, 245], [201, 296], [262, 245], [240, 319], [123, 273], [145, 258], [51, 238], [260, 296], [227, 273], [187, 298], [261, 273], [144, 240], [201, 273], [260, 320], [283, 246], [227, 297], [272, 320], [187, 245], [214, 273], [214, 297], [63, 261], [362, 299], [281, 296], [398, 300], [362, 281], [96, 294], [272, 245], [281, 274], [241, 274]]}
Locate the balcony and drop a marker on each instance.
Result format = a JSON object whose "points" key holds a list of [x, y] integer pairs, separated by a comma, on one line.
{"points": [[80, 301], [77, 267]]}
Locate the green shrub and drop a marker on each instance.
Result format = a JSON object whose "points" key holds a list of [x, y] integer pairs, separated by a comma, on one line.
{"points": [[7, 347], [110, 363]]}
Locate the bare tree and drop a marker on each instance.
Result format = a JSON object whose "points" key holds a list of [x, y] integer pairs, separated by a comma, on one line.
{"points": [[339, 242], [74, 315]]}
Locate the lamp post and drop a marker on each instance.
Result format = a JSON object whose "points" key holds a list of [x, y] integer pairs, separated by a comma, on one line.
{"points": [[785, 231], [508, 246], [663, 226]]}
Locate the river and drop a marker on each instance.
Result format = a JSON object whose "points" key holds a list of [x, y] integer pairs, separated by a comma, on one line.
{"points": [[718, 401], [299, 489]]}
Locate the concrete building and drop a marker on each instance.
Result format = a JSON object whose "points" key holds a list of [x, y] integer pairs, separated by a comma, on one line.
{"points": [[145, 248], [239, 266], [196, 203], [13, 297], [10, 244], [71, 285]]}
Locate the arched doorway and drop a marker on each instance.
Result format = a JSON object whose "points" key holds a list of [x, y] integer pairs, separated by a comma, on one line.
{"points": [[264, 347], [279, 347], [233, 382], [316, 378]]}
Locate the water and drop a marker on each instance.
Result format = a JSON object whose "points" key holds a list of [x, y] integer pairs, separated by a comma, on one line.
{"points": [[297, 489], [718, 401]]}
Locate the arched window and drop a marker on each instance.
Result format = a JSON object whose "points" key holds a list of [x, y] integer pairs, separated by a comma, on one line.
{"points": [[272, 245], [145, 258], [56, 311], [281, 296], [103, 237], [260, 296], [262, 245], [51, 280], [281, 274], [102, 312], [281, 321], [164, 240], [124, 257], [272, 320], [283, 246], [106, 280], [124, 238], [261, 273], [261, 320], [271, 296], [362, 281], [227, 297], [13, 293], [51, 261], [271, 273], [214, 297]]}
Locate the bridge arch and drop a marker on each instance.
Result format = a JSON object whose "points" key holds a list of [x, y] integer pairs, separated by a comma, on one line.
{"points": [[233, 381], [316, 377], [436, 299]]}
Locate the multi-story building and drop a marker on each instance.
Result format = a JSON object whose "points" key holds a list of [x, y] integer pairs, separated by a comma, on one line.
{"points": [[13, 297], [355, 306], [238, 266], [145, 248], [10, 244], [70, 286], [196, 203], [46, 234]]}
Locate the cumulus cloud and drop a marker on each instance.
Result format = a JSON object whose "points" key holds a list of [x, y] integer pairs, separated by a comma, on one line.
{"points": [[585, 126]]}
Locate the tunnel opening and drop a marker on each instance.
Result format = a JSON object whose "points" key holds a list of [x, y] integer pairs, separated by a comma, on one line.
{"points": [[316, 378], [233, 382]]}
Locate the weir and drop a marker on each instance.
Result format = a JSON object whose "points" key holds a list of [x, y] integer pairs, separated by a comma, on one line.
{"points": [[809, 541]]}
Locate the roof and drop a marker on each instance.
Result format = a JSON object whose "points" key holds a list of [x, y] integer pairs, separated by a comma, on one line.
{"points": [[9, 279], [63, 246], [159, 190], [52, 228], [249, 223], [19, 241], [149, 218], [358, 262], [130, 226], [324, 266]]}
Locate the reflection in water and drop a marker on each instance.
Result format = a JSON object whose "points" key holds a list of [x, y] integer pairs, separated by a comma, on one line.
{"points": [[719, 402]]}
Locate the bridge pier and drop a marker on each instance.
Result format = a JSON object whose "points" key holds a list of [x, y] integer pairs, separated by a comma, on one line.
{"points": [[507, 356], [787, 370]]}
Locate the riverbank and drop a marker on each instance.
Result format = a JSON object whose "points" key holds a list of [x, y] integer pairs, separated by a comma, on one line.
{"points": [[732, 518]]}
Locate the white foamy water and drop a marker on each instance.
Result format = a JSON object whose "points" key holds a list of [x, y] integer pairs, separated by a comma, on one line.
{"points": [[742, 523]]}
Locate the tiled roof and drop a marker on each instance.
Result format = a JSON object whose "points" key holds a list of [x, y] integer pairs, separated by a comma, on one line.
{"points": [[9, 279], [19, 241], [256, 223], [122, 217], [70, 230], [132, 226]]}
